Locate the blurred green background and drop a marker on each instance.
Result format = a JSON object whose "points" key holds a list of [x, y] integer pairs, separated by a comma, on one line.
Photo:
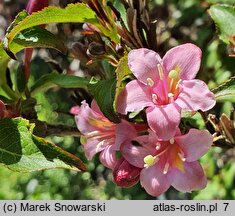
{"points": [[179, 21]]}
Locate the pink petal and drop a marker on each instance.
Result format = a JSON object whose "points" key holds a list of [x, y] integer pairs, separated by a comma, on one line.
{"points": [[192, 179], [187, 57], [136, 150], [95, 107], [74, 110], [91, 147], [195, 143], [84, 114], [143, 63], [108, 157], [124, 131], [154, 181], [195, 96], [164, 120], [134, 97]]}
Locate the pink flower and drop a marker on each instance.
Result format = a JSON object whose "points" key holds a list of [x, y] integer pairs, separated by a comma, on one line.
{"points": [[125, 174], [101, 135], [165, 86], [172, 162]]}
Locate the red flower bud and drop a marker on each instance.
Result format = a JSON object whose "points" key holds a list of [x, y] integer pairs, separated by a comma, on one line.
{"points": [[36, 5], [2, 109], [7, 112], [124, 174]]}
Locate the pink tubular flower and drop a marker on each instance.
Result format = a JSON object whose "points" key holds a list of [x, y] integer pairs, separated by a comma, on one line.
{"points": [[125, 174], [165, 86], [172, 162], [101, 135]]}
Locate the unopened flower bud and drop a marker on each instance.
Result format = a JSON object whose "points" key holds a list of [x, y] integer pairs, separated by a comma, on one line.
{"points": [[95, 49], [2, 109], [36, 5], [124, 174]]}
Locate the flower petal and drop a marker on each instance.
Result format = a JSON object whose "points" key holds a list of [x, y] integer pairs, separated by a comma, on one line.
{"points": [[134, 97], [108, 157], [154, 181], [195, 96], [74, 110], [136, 150], [85, 113], [143, 63], [195, 143], [124, 131], [91, 147], [95, 107], [186, 57], [193, 177], [164, 120]]}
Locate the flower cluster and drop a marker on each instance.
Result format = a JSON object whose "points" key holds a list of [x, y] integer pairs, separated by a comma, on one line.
{"points": [[156, 153]]}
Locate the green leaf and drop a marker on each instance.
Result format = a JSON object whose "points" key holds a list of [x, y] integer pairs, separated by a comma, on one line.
{"points": [[226, 91], [40, 37], [123, 72], [104, 93], [21, 151], [224, 18], [62, 80], [30, 38], [78, 12]]}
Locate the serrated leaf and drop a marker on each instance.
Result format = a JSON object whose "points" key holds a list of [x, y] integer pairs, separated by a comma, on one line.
{"points": [[224, 18], [78, 12], [30, 38], [226, 91], [104, 93], [21, 151], [123, 72], [62, 80]]}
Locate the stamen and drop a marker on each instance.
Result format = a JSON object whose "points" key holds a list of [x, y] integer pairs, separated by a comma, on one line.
{"points": [[160, 71], [172, 140], [99, 145], [93, 133], [166, 168], [154, 98], [150, 82], [170, 95], [173, 74], [177, 85], [158, 146], [182, 157], [149, 160]]}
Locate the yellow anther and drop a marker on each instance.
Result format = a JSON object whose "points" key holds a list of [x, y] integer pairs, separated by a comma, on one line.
{"points": [[149, 160], [150, 82], [160, 71], [174, 74]]}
